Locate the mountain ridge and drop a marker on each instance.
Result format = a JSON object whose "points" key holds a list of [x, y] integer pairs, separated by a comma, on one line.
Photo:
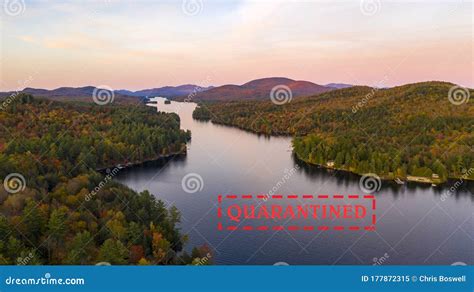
{"points": [[260, 89]]}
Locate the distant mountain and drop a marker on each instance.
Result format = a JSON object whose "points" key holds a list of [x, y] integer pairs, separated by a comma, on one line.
{"points": [[260, 89], [62, 91], [76, 93], [167, 91], [256, 89], [338, 85]]}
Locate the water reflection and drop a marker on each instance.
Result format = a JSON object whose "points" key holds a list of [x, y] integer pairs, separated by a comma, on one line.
{"points": [[419, 224]]}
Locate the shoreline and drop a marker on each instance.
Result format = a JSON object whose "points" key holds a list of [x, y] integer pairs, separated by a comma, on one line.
{"points": [[408, 179], [244, 129], [120, 166], [400, 181]]}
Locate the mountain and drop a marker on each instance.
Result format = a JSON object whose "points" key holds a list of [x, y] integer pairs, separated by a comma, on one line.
{"points": [[76, 94], [167, 91], [260, 89], [123, 95], [338, 85], [62, 91], [421, 132]]}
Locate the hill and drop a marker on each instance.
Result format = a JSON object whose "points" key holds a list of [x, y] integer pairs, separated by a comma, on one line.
{"points": [[167, 91], [259, 89], [409, 130], [338, 85], [72, 214], [84, 94]]}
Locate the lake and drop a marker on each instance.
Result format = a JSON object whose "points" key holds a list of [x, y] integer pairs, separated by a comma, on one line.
{"points": [[417, 224]]}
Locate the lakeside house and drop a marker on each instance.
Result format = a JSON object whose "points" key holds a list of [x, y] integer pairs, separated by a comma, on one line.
{"points": [[420, 179]]}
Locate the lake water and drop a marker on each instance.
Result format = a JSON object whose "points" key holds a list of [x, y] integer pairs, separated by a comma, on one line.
{"points": [[416, 224]]}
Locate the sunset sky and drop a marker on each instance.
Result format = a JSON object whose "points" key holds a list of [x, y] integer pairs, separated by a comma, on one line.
{"points": [[145, 44]]}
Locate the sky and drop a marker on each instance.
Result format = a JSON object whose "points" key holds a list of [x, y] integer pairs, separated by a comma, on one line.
{"points": [[146, 44]]}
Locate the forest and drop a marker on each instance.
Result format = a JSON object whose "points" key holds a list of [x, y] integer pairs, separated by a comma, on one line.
{"points": [[65, 211], [401, 132]]}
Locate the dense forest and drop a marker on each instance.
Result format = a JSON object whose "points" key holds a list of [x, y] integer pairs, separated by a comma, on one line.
{"points": [[401, 132], [62, 210]]}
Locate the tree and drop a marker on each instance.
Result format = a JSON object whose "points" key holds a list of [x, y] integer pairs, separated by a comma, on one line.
{"points": [[33, 220], [56, 229], [81, 249], [113, 252]]}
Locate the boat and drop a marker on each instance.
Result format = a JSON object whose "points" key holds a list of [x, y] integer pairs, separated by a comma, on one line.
{"points": [[399, 181]]}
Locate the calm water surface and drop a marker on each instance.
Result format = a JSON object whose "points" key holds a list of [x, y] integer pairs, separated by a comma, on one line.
{"points": [[416, 225]]}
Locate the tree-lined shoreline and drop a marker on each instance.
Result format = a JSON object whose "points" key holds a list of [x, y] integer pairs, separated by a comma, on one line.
{"points": [[57, 209], [407, 133]]}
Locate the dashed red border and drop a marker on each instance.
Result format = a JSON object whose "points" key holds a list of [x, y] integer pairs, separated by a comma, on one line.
{"points": [[292, 227]]}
